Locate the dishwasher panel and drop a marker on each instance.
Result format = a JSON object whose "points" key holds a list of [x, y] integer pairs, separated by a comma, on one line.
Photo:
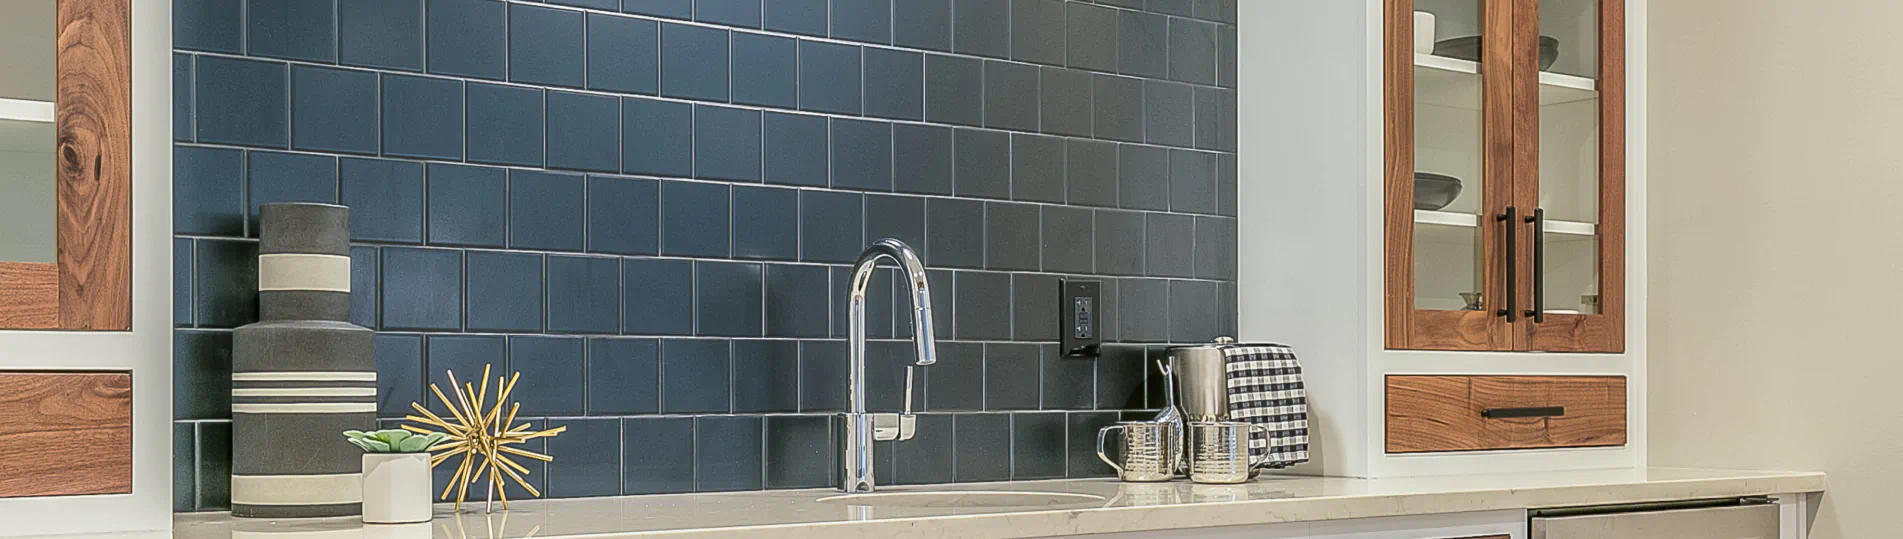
{"points": [[1733, 522]]}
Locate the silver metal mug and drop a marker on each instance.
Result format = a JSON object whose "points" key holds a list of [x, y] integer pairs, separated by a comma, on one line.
{"points": [[1219, 451], [1147, 451]]}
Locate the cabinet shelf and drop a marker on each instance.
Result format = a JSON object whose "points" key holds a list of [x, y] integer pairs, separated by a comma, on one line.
{"points": [[1451, 227], [1453, 82]]}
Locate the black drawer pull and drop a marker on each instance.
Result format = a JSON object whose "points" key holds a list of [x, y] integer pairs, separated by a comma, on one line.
{"points": [[1509, 413]]}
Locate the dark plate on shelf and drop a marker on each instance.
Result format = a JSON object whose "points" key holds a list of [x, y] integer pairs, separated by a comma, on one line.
{"points": [[1468, 48], [1434, 191]]}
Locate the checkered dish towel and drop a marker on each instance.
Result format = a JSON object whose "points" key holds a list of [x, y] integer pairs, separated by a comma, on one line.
{"points": [[1265, 388]]}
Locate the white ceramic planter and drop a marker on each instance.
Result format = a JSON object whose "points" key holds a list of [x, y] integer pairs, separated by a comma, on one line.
{"points": [[396, 488]]}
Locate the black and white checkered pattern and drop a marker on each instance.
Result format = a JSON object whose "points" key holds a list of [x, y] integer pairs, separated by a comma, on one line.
{"points": [[1265, 388]]}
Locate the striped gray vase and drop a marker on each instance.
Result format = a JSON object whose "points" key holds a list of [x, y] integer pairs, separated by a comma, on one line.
{"points": [[302, 375]]}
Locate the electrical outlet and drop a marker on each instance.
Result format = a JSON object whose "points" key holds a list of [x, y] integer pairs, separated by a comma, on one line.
{"points": [[1081, 306]]}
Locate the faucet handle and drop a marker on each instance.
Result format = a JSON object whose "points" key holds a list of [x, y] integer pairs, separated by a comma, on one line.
{"points": [[894, 427]]}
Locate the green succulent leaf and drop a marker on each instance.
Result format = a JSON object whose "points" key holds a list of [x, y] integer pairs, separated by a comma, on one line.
{"points": [[377, 446], [360, 443], [413, 444], [353, 434], [393, 436]]}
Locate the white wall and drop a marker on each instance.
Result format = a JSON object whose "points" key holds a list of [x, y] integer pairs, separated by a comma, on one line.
{"points": [[1777, 245]]}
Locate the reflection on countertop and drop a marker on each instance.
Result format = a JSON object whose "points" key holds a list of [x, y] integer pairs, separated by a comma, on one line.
{"points": [[795, 514]]}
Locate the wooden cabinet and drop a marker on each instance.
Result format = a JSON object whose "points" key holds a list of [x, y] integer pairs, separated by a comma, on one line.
{"points": [[1504, 167], [1473, 413], [65, 433]]}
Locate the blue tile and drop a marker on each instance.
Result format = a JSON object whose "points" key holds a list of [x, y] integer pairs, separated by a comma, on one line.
{"points": [[1037, 446], [923, 24], [468, 38], [1138, 301], [957, 382], [1119, 242], [659, 299], [694, 219], [1069, 382], [623, 215], [765, 70], [468, 205], [466, 355], [201, 375], [1090, 173], [590, 463], [729, 12], [624, 376], [659, 455], [766, 376], [1066, 101], [1011, 236], [1168, 113], [422, 117], [954, 91], [227, 290], [1191, 319], [333, 110], [796, 16], [295, 29], [1037, 31], [981, 163], [673, 9], [651, 137], [208, 25], [728, 454], [1192, 47], [1011, 96], [863, 20], [727, 299], [1118, 105], [829, 77], [583, 132], [182, 80], [927, 458], [544, 210], [504, 291], [551, 370], [182, 255], [363, 286], [796, 300], [922, 159], [831, 225], [1142, 44], [862, 155], [214, 466], [977, 455], [609, 5], [800, 452], [422, 289], [1037, 168], [208, 191], [242, 102], [1171, 7], [694, 376], [1170, 243], [505, 124], [796, 152], [980, 304], [765, 223], [545, 46], [897, 217], [1192, 182], [623, 55], [584, 294], [951, 240], [385, 199], [380, 33], [1091, 37], [184, 467], [901, 91], [399, 373], [289, 177], [1120, 377], [1143, 181], [693, 62], [727, 144], [1012, 376], [824, 364], [982, 27]]}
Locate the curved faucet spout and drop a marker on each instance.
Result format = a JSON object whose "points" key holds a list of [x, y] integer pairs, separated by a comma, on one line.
{"points": [[920, 290], [863, 428]]}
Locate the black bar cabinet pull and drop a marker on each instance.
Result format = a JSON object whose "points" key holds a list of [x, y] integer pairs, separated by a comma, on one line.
{"points": [[1538, 312], [1512, 242], [1510, 413]]}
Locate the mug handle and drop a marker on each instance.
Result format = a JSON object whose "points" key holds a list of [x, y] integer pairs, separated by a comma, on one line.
{"points": [[1268, 437], [1101, 433]]}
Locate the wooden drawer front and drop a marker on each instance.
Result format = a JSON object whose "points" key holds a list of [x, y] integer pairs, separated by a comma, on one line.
{"points": [[65, 433], [1451, 413]]}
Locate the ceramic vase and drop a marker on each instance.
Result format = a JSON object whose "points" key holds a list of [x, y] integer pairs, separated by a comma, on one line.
{"points": [[396, 488], [301, 375]]}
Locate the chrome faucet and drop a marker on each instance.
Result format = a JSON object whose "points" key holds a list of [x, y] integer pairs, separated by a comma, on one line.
{"points": [[863, 428]]}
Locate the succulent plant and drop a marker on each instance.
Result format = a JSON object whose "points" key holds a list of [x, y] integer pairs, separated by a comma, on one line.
{"points": [[393, 441]]}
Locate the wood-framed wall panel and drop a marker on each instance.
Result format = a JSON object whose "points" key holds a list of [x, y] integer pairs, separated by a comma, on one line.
{"points": [[93, 145]]}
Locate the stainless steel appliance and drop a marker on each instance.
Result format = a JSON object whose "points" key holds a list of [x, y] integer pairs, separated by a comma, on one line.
{"points": [[863, 428], [1202, 380], [1148, 450], [1737, 518]]}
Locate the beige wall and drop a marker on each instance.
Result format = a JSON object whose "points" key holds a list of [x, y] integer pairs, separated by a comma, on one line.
{"points": [[1777, 245]]}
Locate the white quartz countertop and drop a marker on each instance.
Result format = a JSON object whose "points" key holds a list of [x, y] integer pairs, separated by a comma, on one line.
{"points": [[1124, 507]]}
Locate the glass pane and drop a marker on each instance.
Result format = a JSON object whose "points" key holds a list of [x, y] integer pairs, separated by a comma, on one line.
{"points": [[1448, 268], [1569, 155], [27, 199]]}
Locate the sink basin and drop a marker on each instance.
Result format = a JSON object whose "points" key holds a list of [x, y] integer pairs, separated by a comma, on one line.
{"points": [[963, 498]]}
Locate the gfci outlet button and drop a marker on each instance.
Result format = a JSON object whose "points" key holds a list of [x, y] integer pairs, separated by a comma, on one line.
{"points": [[1080, 304]]}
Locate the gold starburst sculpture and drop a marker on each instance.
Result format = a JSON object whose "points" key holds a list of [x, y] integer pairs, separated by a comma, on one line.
{"points": [[479, 432]]}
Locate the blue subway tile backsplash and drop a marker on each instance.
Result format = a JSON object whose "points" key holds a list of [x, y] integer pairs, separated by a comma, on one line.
{"points": [[650, 208]]}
